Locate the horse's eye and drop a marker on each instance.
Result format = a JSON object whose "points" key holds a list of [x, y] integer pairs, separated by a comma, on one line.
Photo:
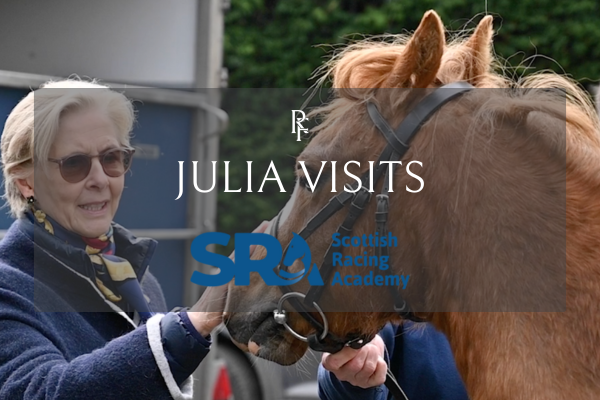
{"points": [[303, 179], [309, 177], [304, 182]]}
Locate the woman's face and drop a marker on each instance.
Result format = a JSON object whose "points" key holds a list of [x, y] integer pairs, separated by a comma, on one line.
{"points": [[87, 207]]}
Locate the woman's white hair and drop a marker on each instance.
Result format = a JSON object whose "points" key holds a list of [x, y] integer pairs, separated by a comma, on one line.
{"points": [[40, 112]]}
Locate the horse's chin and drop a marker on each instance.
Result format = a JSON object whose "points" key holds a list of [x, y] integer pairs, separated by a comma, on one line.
{"points": [[259, 334]]}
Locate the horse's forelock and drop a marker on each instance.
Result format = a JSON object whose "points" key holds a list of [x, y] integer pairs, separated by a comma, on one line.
{"points": [[365, 64]]}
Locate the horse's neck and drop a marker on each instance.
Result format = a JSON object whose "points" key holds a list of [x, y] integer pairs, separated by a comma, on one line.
{"points": [[487, 233], [494, 351]]}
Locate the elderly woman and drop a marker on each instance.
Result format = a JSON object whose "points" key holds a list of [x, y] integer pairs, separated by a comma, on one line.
{"points": [[81, 317]]}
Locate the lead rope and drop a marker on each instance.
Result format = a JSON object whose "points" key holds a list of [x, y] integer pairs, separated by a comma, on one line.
{"points": [[393, 386]]}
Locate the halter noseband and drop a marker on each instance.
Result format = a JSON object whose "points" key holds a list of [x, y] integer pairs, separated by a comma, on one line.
{"points": [[397, 145]]}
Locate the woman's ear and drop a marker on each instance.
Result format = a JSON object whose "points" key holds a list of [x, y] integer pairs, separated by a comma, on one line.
{"points": [[25, 186], [479, 51], [418, 64]]}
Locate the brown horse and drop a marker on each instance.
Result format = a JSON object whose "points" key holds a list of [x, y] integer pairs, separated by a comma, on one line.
{"points": [[465, 235]]}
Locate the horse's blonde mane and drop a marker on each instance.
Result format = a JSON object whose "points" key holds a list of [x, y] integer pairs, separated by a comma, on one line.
{"points": [[357, 70]]}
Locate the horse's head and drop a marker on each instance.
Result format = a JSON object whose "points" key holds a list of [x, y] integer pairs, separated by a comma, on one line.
{"points": [[447, 231]]}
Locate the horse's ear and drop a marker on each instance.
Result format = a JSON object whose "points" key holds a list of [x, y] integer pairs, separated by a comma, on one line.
{"points": [[479, 51], [418, 64]]}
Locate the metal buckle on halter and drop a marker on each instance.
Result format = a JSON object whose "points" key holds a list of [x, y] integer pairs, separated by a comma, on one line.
{"points": [[401, 309], [360, 199], [355, 191], [280, 317], [383, 207], [364, 201], [357, 343]]}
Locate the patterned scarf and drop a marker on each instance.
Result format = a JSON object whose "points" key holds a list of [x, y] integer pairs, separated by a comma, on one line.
{"points": [[115, 277]]}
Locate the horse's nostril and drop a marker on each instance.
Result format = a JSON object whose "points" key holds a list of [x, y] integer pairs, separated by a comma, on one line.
{"points": [[244, 325]]}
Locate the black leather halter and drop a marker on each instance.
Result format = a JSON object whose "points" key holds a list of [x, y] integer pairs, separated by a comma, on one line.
{"points": [[358, 197]]}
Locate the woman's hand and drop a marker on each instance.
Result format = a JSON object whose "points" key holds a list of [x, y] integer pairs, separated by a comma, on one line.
{"points": [[364, 367], [207, 313]]}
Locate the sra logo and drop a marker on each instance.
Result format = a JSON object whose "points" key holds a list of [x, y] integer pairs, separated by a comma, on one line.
{"points": [[243, 265]]}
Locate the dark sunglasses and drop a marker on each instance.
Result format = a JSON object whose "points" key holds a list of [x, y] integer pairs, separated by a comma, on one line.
{"points": [[76, 168]]}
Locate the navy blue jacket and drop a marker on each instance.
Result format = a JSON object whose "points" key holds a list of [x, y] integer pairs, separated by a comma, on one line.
{"points": [[421, 361], [49, 349]]}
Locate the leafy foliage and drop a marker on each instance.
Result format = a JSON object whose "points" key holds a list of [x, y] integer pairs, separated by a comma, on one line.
{"points": [[271, 43]]}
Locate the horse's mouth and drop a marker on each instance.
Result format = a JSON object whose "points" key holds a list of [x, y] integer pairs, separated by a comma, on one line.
{"points": [[259, 334]]}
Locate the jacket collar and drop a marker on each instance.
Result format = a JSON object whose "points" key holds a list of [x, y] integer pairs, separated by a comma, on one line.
{"points": [[138, 251], [68, 270]]}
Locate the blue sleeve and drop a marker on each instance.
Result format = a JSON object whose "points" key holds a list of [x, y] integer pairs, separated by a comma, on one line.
{"points": [[184, 347], [424, 364], [421, 361], [34, 364]]}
